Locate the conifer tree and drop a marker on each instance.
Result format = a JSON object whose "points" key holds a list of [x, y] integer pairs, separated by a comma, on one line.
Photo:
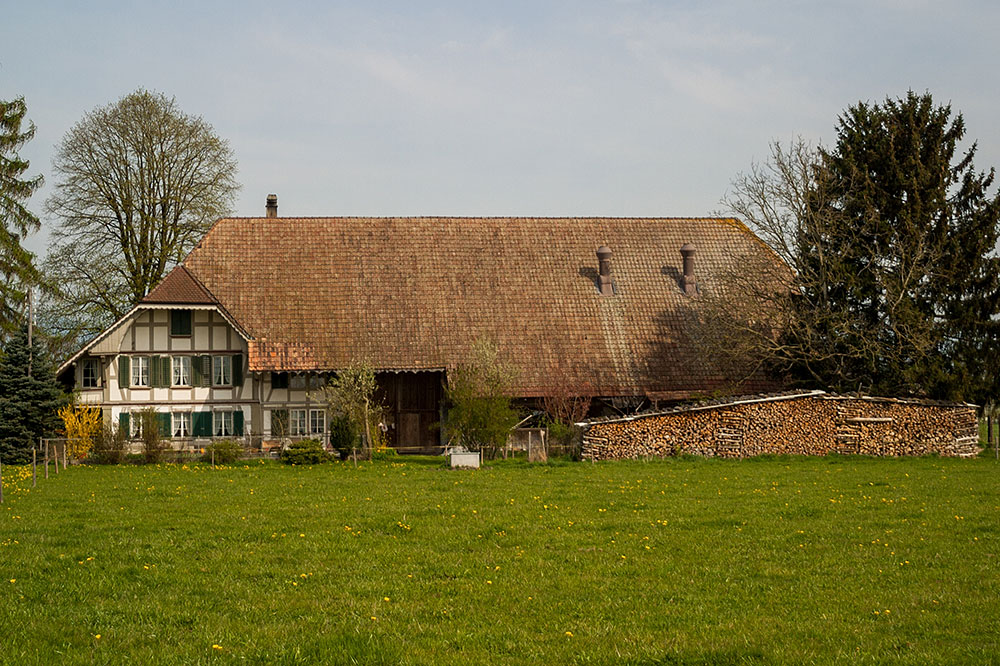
{"points": [[925, 275], [17, 268], [28, 402]]}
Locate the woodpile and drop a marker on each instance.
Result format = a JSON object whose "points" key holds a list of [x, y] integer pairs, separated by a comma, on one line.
{"points": [[807, 423]]}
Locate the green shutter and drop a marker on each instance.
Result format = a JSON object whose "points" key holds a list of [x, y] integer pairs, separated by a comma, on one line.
{"points": [[156, 378], [206, 370], [163, 418], [279, 422], [124, 372], [238, 370], [196, 373], [238, 423], [167, 370], [123, 424], [201, 424]]}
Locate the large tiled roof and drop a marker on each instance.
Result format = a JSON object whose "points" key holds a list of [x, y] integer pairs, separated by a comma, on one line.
{"points": [[414, 293]]}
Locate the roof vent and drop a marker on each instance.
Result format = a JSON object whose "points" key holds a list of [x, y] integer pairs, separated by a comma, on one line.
{"points": [[604, 271], [272, 205], [689, 282]]}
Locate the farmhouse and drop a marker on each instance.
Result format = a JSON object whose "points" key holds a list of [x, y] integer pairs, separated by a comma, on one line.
{"points": [[238, 337]]}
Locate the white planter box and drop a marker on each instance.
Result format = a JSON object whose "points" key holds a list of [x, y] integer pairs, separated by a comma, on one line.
{"points": [[465, 459]]}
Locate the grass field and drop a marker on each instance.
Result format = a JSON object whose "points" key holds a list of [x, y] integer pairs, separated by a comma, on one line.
{"points": [[819, 560]]}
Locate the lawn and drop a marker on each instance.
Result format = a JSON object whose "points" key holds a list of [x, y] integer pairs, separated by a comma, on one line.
{"points": [[823, 560]]}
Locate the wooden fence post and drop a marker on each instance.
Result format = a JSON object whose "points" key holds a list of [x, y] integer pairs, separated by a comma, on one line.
{"points": [[34, 466], [55, 457], [1, 482], [46, 459], [64, 455], [213, 457]]}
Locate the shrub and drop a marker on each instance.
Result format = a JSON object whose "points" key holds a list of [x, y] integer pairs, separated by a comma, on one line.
{"points": [[110, 445], [226, 451], [344, 436], [305, 452], [353, 395], [481, 415], [82, 425], [384, 453], [151, 436]]}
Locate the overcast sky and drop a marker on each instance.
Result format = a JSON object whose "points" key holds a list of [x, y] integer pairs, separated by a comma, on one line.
{"points": [[626, 108]]}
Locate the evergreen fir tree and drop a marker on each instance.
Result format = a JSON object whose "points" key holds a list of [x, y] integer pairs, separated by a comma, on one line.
{"points": [[919, 238], [17, 267], [28, 403]]}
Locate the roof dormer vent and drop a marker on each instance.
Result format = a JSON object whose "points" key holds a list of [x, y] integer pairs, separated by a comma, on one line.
{"points": [[688, 281], [604, 271]]}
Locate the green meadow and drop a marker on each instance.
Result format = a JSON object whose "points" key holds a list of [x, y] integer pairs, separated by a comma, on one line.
{"points": [[783, 561]]}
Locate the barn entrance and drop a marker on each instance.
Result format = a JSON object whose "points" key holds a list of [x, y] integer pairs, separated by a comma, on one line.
{"points": [[414, 402]]}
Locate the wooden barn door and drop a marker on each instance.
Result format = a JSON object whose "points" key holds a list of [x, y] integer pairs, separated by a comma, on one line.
{"points": [[414, 399]]}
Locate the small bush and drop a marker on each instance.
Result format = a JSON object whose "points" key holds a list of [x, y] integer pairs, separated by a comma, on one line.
{"points": [[305, 452], [226, 451], [153, 444], [344, 436], [110, 446], [384, 453]]}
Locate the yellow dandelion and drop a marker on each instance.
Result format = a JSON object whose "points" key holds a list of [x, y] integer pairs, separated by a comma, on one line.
{"points": [[216, 646], [569, 634], [97, 636]]}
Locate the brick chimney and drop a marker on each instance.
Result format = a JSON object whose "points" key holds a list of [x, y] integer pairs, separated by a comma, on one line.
{"points": [[689, 282], [272, 205], [604, 271]]}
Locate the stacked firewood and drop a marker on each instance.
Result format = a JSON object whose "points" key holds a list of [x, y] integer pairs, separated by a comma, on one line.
{"points": [[811, 424]]}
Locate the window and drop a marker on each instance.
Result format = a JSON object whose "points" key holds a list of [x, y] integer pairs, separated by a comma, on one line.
{"points": [[91, 373], [279, 380], [222, 370], [180, 323], [140, 371], [222, 424], [136, 424], [298, 382], [317, 421], [181, 371], [182, 424], [298, 422]]}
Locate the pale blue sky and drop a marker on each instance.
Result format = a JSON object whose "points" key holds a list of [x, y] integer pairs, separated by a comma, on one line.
{"points": [[499, 108]]}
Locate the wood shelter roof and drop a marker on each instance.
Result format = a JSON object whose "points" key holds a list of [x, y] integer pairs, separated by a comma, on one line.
{"points": [[413, 293]]}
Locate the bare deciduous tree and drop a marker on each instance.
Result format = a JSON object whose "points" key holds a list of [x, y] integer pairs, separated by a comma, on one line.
{"points": [[138, 183]]}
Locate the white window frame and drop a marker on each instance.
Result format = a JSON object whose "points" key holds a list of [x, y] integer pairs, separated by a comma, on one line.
{"points": [[317, 416], [298, 421], [222, 423], [180, 371], [95, 366], [135, 424], [222, 371], [180, 424], [140, 371]]}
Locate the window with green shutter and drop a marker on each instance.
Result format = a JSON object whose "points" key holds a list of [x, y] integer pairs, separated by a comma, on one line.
{"points": [[123, 372], [163, 421], [238, 370], [206, 370], [238, 423], [201, 425], [123, 425], [180, 323]]}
